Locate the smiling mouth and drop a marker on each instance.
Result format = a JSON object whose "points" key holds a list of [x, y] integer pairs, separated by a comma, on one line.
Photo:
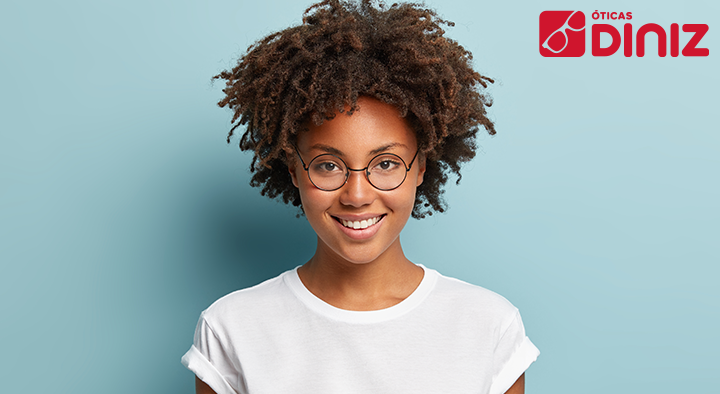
{"points": [[359, 224]]}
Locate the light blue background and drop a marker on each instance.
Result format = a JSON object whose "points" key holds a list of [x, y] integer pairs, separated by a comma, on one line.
{"points": [[123, 213]]}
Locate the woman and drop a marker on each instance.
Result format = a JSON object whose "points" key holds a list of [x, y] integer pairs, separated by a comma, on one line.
{"points": [[358, 116]]}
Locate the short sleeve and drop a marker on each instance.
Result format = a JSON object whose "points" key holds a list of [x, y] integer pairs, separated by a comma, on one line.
{"points": [[210, 361], [513, 355]]}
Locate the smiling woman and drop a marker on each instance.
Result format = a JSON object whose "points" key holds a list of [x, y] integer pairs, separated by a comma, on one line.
{"points": [[357, 116]]}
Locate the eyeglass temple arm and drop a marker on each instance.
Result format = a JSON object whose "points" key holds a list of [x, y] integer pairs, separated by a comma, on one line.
{"points": [[301, 159], [413, 160]]}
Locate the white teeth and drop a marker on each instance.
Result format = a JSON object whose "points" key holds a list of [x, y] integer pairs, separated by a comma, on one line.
{"points": [[360, 224]]}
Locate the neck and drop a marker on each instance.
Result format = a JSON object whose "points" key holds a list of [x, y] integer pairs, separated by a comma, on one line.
{"points": [[373, 285]]}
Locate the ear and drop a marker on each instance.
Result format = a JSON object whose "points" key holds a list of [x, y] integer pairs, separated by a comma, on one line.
{"points": [[421, 168], [292, 163]]}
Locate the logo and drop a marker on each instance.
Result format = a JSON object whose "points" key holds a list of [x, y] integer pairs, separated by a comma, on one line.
{"points": [[562, 33]]}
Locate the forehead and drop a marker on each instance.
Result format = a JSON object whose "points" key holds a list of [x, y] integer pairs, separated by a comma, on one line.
{"points": [[372, 126]]}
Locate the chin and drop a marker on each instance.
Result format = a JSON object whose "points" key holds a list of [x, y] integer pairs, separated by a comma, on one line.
{"points": [[359, 254]]}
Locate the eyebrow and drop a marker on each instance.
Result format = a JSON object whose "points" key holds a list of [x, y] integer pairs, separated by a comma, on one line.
{"points": [[335, 151]]}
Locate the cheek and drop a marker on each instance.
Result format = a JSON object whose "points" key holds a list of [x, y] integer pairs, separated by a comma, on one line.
{"points": [[403, 201], [314, 200]]}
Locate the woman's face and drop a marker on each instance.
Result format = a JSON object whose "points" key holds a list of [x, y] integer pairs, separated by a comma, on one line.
{"points": [[380, 215]]}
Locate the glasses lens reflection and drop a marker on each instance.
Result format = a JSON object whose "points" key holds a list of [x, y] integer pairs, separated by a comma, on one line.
{"points": [[387, 171], [327, 172]]}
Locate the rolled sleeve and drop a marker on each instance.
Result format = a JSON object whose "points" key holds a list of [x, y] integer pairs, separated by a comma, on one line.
{"points": [[514, 354], [208, 359], [195, 361]]}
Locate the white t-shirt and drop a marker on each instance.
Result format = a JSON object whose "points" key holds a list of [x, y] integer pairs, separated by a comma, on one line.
{"points": [[277, 337]]}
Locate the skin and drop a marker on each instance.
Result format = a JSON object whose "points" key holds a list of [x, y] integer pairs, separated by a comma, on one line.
{"points": [[355, 270], [202, 387]]}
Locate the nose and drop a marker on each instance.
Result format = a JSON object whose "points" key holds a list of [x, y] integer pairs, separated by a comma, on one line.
{"points": [[357, 191]]}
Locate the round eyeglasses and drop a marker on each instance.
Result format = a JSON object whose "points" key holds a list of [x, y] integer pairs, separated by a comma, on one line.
{"points": [[386, 171]]}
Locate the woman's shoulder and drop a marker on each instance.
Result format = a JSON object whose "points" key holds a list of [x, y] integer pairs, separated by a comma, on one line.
{"points": [[250, 300], [461, 294]]}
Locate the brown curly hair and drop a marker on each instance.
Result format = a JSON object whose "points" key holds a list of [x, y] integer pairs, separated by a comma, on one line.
{"points": [[344, 50]]}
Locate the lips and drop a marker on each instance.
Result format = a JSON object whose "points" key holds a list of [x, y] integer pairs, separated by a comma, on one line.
{"points": [[359, 224]]}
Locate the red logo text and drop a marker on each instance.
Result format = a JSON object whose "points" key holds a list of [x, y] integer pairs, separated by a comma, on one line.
{"points": [[690, 49]]}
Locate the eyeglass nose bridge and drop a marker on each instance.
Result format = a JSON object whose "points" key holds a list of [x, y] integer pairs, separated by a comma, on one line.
{"points": [[367, 175]]}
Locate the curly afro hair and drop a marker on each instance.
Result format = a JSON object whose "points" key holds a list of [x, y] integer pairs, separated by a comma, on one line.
{"points": [[344, 50]]}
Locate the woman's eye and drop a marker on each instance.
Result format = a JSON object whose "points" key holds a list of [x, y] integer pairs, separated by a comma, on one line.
{"points": [[387, 165], [327, 166]]}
